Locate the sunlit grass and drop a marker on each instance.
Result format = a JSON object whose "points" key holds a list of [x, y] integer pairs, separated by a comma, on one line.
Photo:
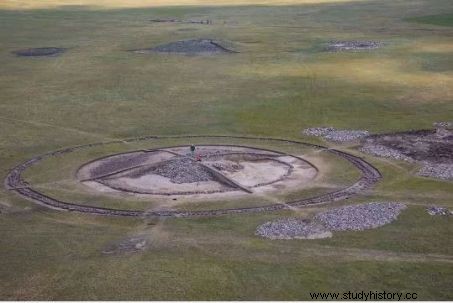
{"points": [[440, 20], [33, 4]]}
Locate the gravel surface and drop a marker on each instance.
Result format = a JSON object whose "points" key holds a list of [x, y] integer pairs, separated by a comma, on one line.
{"points": [[336, 135], [439, 211], [207, 21], [40, 52], [292, 228], [384, 151], [360, 217], [183, 170], [199, 46], [439, 171], [338, 46]]}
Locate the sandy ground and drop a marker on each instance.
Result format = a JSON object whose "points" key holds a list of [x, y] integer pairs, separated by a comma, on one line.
{"points": [[152, 183]]}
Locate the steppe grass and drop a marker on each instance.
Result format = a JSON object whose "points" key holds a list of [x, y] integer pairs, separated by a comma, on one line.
{"points": [[281, 82]]}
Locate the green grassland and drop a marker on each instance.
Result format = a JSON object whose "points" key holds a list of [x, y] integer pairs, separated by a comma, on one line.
{"points": [[441, 20], [279, 83]]}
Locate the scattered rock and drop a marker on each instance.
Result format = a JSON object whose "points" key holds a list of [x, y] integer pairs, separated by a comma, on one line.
{"points": [[292, 228], [332, 134], [360, 217], [439, 171], [200, 46], [207, 21], [181, 170], [40, 52], [439, 211], [339, 46], [384, 151], [128, 245], [443, 129]]}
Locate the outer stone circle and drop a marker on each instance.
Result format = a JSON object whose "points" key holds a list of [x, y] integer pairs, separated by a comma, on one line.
{"points": [[15, 182]]}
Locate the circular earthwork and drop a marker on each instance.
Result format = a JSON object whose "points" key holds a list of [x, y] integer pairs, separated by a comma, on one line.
{"points": [[220, 164]]}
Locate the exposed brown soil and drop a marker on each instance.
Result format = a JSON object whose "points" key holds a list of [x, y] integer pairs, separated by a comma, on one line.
{"points": [[431, 148], [128, 245]]}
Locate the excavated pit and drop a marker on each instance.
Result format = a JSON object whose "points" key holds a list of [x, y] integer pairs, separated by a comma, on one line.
{"points": [[176, 171], [299, 172], [433, 149]]}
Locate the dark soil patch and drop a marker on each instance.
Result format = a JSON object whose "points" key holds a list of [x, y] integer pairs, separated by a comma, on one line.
{"points": [[418, 145], [431, 148], [199, 46], [128, 245], [118, 163], [40, 52]]}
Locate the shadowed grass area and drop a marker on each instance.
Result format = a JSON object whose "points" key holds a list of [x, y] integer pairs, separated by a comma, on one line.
{"points": [[441, 20], [281, 81]]}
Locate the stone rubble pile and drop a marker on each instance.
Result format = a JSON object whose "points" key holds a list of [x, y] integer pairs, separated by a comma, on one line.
{"points": [[292, 228], [439, 171], [183, 170], [354, 45], [190, 21], [360, 217], [380, 150], [352, 217], [336, 135], [439, 211]]}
